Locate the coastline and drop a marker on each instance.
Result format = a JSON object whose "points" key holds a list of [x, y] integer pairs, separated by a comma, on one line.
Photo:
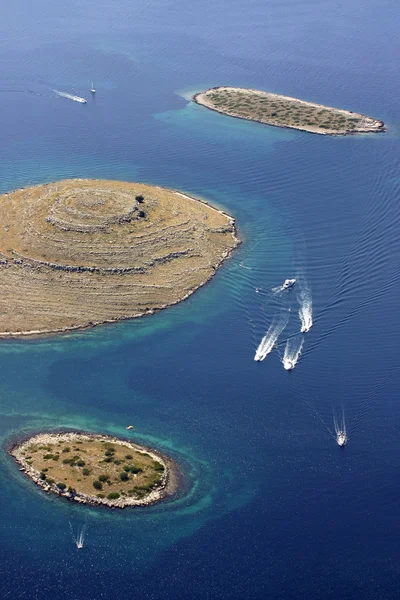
{"points": [[200, 98], [231, 229], [167, 488]]}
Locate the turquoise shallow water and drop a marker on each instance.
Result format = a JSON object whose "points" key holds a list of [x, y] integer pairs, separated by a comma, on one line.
{"points": [[270, 506]]}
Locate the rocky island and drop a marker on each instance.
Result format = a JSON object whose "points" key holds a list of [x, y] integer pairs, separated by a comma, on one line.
{"points": [[96, 469], [284, 111], [80, 252]]}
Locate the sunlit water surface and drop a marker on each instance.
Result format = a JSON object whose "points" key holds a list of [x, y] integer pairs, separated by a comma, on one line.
{"points": [[270, 506]]}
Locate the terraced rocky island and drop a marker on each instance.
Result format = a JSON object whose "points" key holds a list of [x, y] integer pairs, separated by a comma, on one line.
{"points": [[80, 252], [284, 111], [96, 469]]}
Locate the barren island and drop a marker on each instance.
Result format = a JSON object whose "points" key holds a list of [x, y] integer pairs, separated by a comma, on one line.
{"points": [[284, 111], [80, 252], [96, 469]]}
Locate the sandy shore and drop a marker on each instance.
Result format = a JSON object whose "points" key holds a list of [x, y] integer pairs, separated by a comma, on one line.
{"points": [[367, 124], [166, 488]]}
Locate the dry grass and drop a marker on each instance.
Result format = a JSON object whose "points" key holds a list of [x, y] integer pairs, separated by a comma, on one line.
{"points": [[283, 111], [78, 464], [81, 252]]}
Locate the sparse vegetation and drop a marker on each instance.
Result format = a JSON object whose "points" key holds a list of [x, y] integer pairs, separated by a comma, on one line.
{"points": [[286, 112], [102, 240], [121, 477]]}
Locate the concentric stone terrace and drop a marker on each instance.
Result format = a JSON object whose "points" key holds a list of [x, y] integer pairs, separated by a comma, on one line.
{"points": [[80, 252]]}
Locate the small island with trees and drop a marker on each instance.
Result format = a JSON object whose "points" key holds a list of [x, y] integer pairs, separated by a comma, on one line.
{"points": [[96, 469], [284, 111]]}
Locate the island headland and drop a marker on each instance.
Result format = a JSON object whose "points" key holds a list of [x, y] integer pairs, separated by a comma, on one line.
{"points": [[96, 469], [79, 252], [284, 111]]}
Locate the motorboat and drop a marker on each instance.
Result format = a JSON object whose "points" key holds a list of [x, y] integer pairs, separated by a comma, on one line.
{"points": [[288, 365], [341, 438], [288, 283], [92, 89]]}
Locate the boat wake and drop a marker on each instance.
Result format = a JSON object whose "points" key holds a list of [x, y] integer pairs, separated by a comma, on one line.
{"points": [[292, 352], [305, 310], [79, 538], [70, 97], [268, 341], [340, 430]]}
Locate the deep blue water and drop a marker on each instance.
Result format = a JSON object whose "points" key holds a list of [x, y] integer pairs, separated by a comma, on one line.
{"points": [[271, 507]]}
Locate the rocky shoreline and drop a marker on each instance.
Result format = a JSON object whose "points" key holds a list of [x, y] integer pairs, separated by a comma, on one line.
{"points": [[373, 125], [167, 486]]}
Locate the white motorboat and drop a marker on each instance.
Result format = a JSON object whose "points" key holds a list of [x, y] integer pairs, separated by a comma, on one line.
{"points": [[341, 438], [92, 89], [288, 283], [288, 365]]}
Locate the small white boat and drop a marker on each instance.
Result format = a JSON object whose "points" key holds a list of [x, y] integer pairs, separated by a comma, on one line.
{"points": [[288, 283], [288, 365], [341, 438], [92, 89]]}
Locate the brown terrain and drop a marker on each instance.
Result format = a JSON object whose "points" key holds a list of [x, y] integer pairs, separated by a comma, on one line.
{"points": [[80, 252], [96, 469], [284, 111]]}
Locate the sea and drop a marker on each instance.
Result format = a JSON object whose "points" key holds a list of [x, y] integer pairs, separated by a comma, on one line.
{"points": [[269, 506]]}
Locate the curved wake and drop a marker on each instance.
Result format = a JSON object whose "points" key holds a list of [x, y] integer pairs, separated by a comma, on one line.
{"points": [[268, 341], [292, 352]]}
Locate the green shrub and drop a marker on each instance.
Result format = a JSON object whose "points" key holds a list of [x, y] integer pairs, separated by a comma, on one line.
{"points": [[66, 449], [81, 463], [85, 472], [61, 486], [127, 456], [113, 496], [134, 469], [97, 484], [124, 476], [43, 475], [50, 480], [127, 468], [100, 495], [103, 477], [117, 461], [158, 466], [108, 459], [139, 199], [109, 452], [47, 456]]}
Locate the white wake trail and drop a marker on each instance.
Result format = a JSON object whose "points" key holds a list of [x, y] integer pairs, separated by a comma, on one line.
{"points": [[305, 310], [340, 429], [79, 539], [70, 97], [292, 352], [267, 343]]}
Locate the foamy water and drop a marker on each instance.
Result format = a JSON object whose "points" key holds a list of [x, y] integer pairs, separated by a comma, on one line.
{"points": [[70, 97], [292, 352], [305, 302], [268, 341]]}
